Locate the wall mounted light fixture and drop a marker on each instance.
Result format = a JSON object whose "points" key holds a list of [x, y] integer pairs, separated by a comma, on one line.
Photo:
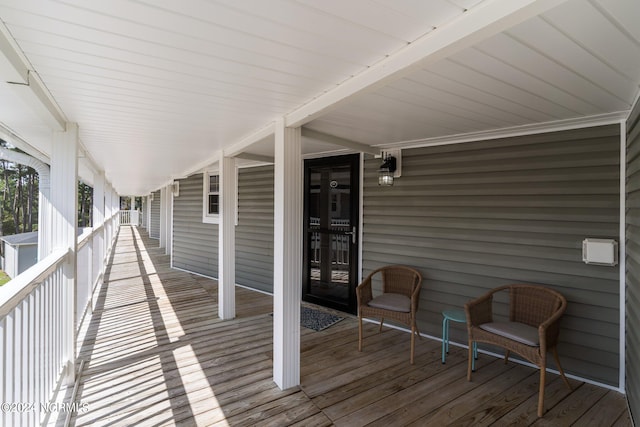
{"points": [[390, 167]]}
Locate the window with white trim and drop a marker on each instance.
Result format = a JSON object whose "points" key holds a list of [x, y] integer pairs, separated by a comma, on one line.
{"points": [[211, 202], [211, 197]]}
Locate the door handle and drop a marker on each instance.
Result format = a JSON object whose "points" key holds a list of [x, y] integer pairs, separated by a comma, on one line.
{"points": [[353, 234]]}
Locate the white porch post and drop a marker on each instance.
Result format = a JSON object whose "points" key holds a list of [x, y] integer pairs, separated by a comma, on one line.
{"points": [[149, 202], [169, 222], [64, 221], [108, 212], [44, 219], [163, 217], [287, 256], [227, 239]]}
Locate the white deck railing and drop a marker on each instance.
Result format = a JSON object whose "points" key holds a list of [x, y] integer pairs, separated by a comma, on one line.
{"points": [[34, 336], [90, 267], [36, 330], [131, 217]]}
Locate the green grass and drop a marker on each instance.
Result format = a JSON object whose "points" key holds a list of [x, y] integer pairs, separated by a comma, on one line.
{"points": [[4, 278]]}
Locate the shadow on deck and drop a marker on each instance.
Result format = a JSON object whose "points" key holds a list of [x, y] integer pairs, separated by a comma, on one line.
{"points": [[156, 353]]}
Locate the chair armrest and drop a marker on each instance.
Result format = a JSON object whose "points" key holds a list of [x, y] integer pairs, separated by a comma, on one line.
{"points": [[479, 310]]}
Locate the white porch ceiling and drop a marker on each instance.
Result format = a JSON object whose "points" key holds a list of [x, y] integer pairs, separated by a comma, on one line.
{"points": [[159, 86]]}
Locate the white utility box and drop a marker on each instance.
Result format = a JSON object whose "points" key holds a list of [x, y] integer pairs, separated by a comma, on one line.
{"points": [[600, 251]]}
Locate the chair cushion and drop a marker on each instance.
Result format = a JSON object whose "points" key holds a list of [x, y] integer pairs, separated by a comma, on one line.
{"points": [[516, 331], [393, 302]]}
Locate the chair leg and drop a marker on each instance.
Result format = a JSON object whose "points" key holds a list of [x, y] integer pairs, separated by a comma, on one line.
{"points": [[557, 359], [359, 333], [470, 367], [506, 356], [413, 342], [543, 371], [381, 322]]}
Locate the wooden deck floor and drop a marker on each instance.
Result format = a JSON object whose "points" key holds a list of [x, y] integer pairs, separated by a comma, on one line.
{"points": [[156, 354]]}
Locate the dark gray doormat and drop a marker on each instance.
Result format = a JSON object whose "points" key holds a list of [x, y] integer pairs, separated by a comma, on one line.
{"points": [[316, 319]]}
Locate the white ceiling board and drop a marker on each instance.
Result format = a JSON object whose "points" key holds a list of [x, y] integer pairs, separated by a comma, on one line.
{"points": [[433, 12], [624, 13], [424, 92], [418, 114], [380, 17], [465, 4], [158, 87], [316, 30], [464, 84], [510, 62], [583, 23], [545, 39]]}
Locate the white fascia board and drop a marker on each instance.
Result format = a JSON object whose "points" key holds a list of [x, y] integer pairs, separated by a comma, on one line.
{"points": [[341, 142], [16, 71], [37, 96], [13, 66], [249, 140], [256, 158], [475, 25], [232, 151], [17, 141]]}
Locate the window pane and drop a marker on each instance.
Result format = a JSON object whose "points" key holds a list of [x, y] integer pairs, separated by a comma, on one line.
{"points": [[213, 204], [213, 184]]}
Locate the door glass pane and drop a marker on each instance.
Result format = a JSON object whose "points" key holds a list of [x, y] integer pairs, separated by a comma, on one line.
{"points": [[329, 225]]}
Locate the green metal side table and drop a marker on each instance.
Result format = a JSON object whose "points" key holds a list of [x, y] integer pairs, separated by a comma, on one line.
{"points": [[459, 316]]}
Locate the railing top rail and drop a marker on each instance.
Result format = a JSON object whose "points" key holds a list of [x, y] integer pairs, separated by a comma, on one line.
{"points": [[13, 292], [83, 238]]}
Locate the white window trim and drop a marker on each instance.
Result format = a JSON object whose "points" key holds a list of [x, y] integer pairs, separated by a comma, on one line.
{"points": [[208, 218]]}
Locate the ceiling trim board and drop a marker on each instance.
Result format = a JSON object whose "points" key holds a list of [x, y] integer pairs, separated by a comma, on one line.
{"points": [[256, 158], [342, 142], [14, 139], [17, 73], [246, 142], [538, 128]]}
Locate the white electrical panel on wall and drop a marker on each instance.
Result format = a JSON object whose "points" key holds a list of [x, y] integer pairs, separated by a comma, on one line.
{"points": [[600, 251]]}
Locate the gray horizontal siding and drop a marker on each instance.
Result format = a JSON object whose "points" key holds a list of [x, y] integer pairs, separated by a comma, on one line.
{"points": [[254, 233], [154, 221], [195, 244], [632, 337], [478, 215]]}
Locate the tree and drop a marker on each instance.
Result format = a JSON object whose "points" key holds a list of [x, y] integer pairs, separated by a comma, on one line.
{"points": [[19, 198], [85, 205]]}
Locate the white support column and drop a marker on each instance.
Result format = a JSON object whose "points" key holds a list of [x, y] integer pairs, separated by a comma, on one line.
{"points": [[149, 202], [64, 221], [287, 256], [163, 217], [169, 217], [227, 239], [44, 219], [622, 245], [98, 199], [108, 213]]}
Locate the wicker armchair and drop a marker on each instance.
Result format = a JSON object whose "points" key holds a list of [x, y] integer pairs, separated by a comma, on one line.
{"points": [[531, 332], [399, 299]]}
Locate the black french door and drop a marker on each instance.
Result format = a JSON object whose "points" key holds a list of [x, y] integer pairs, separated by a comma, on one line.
{"points": [[331, 221]]}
